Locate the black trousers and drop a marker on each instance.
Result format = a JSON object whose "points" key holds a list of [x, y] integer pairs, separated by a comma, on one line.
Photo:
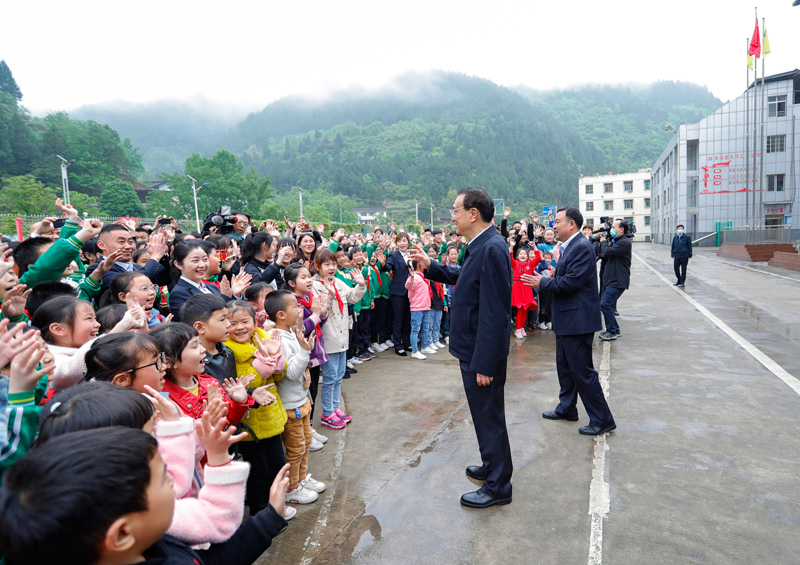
{"points": [[545, 307], [313, 389], [680, 264], [576, 376], [381, 329], [401, 321], [487, 406], [266, 459], [363, 329]]}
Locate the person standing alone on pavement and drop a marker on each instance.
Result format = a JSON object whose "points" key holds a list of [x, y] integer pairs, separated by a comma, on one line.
{"points": [[681, 253], [480, 324], [576, 316]]}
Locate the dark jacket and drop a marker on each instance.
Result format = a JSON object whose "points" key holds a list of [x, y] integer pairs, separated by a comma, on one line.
{"points": [[153, 270], [396, 265], [264, 272], [576, 303], [480, 314], [616, 255], [183, 291], [681, 246]]}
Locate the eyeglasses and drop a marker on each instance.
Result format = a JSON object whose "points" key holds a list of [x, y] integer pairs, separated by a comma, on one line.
{"points": [[159, 363], [148, 288], [454, 210]]}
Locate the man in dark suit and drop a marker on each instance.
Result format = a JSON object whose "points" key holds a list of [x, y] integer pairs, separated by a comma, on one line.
{"points": [[479, 337], [116, 237], [576, 316], [681, 252]]}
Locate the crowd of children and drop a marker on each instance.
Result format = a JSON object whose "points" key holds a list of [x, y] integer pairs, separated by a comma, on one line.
{"points": [[174, 376]]}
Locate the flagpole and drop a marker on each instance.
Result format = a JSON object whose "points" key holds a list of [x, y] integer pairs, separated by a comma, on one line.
{"points": [[747, 186], [755, 141], [763, 139]]}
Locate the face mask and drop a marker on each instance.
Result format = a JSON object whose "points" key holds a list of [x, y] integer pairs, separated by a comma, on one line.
{"points": [[680, 232], [613, 234]]}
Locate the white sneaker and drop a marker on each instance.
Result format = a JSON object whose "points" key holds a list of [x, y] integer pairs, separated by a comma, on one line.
{"points": [[549, 325], [355, 361], [301, 495], [310, 484], [318, 436], [371, 350], [349, 365], [430, 350], [388, 343], [542, 326], [289, 513], [439, 344], [315, 445], [378, 347], [447, 340], [418, 355]]}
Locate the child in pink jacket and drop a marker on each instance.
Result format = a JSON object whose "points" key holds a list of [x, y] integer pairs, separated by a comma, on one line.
{"points": [[419, 296]]}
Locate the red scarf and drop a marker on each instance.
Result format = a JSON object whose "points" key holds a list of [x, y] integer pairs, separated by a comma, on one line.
{"points": [[338, 298], [378, 273], [307, 303]]}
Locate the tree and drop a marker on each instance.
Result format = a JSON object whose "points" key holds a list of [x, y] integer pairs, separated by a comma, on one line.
{"points": [[25, 195], [7, 83], [119, 199], [84, 203]]}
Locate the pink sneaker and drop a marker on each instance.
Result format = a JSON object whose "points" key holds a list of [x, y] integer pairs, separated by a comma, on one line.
{"points": [[342, 416], [333, 422]]}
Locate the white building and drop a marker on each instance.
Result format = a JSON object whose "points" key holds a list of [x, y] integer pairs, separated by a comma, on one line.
{"points": [[370, 214], [624, 195], [701, 178]]}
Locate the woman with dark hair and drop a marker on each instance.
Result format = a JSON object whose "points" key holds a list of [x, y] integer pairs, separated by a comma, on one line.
{"points": [[396, 264], [258, 259], [306, 248]]}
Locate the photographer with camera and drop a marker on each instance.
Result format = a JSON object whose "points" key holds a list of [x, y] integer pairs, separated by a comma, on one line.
{"points": [[615, 252]]}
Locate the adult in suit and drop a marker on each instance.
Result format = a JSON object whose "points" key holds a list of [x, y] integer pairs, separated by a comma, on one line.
{"points": [[681, 252], [116, 237], [576, 316], [401, 309], [479, 337]]}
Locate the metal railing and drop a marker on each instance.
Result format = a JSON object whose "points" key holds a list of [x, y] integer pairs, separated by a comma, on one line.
{"points": [[8, 223], [767, 234]]}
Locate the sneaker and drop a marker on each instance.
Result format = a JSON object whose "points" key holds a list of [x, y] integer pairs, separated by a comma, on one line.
{"points": [[333, 422], [343, 417], [367, 355], [289, 513], [439, 344], [377, 347], [318, 436], [315, 445], [616, 312], [447, 340], [350, 365], [549, 325], [301, 495], [682, 285], [372, 351], [388, 343], [356, 360], [618, 334], [519, 334], [310, 484], [607, 336], [418, 355], [430, 350], [542, 326]]}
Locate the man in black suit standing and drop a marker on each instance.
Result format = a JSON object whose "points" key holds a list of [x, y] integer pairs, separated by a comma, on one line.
{"points": [[576, 316], [479, 338]]}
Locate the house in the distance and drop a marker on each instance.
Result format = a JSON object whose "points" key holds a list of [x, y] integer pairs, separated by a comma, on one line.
{"points": [[370, 214]]}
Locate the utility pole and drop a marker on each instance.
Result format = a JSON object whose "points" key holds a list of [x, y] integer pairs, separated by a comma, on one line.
{"points": [[301, 201], [64, 179], [340, 208], [194, 194], [432, 209], [416, 212]]}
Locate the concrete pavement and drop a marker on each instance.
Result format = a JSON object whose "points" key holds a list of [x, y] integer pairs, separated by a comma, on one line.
{"points": [[702, 468]]}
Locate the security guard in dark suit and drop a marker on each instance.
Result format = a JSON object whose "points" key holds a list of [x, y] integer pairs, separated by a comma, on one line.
{"points": [[479, 337]]}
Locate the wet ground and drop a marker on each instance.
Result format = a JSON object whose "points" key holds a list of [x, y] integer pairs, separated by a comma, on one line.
{"points": [[702, 468]]}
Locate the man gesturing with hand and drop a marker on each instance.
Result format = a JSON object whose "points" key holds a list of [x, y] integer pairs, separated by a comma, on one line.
{"points": [[481, 322]]}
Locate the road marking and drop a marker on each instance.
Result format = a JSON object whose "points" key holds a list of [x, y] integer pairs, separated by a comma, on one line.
{"points": [[750, 268], [313, 539], [600, 490], [754, 351]]}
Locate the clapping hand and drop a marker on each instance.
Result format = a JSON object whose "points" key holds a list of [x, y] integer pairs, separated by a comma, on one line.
{"points": [[269, 346], [217, 436], [165, 409], [240, 282], [14, 301], [27, 367], [69, 211], [307, 344], [358, 278], [10, 345], [105, 265], [215, 407], [237, 389], [134, 319], [263, 396]]}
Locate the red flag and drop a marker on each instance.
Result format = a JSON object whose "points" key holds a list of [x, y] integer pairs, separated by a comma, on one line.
{"points": [[755, 43]]}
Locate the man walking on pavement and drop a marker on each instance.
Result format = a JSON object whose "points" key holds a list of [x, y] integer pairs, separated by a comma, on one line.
{"points": [[576, 316], [681, 253], [479, 337]]}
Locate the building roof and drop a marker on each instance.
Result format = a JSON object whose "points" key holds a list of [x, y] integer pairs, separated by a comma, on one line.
{"points": [[788, 75]]}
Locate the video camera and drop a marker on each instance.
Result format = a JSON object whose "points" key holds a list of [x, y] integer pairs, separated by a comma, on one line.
{"points": [[222, 219], [605, 227]]}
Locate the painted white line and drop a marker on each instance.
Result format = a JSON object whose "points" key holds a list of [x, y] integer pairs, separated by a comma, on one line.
{"points": [[754, 351], [313, 539], [750, 268], [600, 490]]}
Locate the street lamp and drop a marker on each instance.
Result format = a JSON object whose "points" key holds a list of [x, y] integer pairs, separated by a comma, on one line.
{"points": [[194, 193], [64, 181], [301, 200]]}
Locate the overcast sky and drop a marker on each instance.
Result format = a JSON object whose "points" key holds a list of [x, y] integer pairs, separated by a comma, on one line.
{"points": [[244, 54]]}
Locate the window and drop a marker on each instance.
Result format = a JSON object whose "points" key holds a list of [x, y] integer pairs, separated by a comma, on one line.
{"points": [[628, 185], [775, 183], [777, 106], [647, 220], [608, 187], [590, 206], [609, 204], [628, 219], [647, 185], [776, 143], [629, 204], [589, 189], [647, 203], [692, 149]]}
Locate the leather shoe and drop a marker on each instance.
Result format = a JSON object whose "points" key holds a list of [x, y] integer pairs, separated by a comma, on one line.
{"points": [[552, 415], [476, 472], [480, 499], [597, 430], [401, 352]]}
